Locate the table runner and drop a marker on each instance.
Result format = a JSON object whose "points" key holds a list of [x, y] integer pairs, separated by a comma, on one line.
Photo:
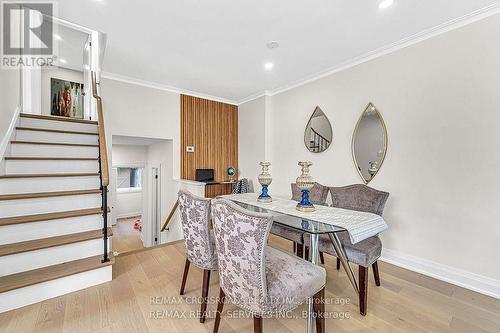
{"points": [[359, 225]]}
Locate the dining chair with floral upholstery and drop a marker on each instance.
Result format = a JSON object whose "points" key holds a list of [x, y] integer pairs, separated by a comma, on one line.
{"points": [[365, 253], [258, 278], [199, 241], [317, 196]]}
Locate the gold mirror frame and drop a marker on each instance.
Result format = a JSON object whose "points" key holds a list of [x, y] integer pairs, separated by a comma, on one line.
{"points": [[386, 141], [307, 125]]}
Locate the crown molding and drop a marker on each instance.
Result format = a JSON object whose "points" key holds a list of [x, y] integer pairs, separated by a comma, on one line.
{"points": [[159, 86], [390, 48], [254, 97]]}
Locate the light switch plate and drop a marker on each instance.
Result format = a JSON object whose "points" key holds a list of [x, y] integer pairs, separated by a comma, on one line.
{"points": [[190, 149]]}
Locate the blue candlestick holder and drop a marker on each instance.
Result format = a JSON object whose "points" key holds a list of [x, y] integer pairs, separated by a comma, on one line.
{"points": [[264, 196], [265, 180], [305, 183], [305, 205]]}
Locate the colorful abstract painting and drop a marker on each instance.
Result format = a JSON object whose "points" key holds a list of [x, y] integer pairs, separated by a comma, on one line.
{"points": [[66, 98]]}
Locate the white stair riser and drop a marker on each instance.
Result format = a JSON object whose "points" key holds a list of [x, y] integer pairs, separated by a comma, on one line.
{"points": [[57, 125], [24, 150], [23, 135], [15, 167], [48, 184], [17, 298], [26, 261], [10, 208], [29, 231]]}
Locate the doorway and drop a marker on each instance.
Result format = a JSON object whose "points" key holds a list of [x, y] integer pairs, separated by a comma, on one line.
{"points": [[141, 191]]}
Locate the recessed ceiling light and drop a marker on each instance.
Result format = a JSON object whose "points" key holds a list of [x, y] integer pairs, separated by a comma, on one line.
{"points": [[57, 37], [273, 45], [385, 4], [62, 61], [268, 66]]}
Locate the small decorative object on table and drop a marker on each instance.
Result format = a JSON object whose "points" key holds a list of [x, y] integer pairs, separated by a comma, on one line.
{"points": [[305, 183], [231, 172], [265, 179]]}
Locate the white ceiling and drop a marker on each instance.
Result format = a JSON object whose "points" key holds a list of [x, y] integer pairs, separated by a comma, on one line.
{"points": [[218, 48]]}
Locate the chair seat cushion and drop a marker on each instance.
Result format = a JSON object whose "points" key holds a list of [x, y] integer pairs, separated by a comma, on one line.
{"points": [[363, 253], [287, 233], [290, 281]]}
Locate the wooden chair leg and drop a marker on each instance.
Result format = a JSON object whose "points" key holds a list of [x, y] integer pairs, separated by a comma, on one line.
{"points": [[319, 310], [322, 258], [204, 295], [184, 276], [257, 324], [300, 250], [338, 263], [294, 247], [363, 289], [220, 307], [376, 273], [306, 253]]}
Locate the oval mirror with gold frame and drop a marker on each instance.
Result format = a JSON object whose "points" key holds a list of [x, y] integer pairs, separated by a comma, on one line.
{"points": [[369, 143], [318, 135]]}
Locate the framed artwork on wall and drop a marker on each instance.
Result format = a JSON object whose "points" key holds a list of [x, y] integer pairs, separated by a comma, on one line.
{"points": [[66, 98]]}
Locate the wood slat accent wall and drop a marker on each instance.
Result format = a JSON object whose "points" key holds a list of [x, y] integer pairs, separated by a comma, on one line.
{"points": [[212, 128]]}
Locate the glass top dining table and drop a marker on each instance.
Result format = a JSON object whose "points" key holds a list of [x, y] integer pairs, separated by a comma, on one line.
{"points": [[315, 229], [298, 223]]}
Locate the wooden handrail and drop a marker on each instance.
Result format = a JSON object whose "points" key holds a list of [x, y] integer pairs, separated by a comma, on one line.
{"points": [[169, 218], [321, 136], [103, 150]]}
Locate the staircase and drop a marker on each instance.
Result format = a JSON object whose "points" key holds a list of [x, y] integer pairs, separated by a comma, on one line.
{"points": [[52, 235]]}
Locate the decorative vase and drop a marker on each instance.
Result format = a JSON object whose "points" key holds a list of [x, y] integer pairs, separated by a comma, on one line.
{"points": [[305, 183], [265, 180]]}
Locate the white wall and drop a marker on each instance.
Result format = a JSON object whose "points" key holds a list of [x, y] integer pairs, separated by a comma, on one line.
{"points": [[439, 99], [9, 97], [159, 156], [129, 202], [56, 73], [133, 110], [251, 139]]}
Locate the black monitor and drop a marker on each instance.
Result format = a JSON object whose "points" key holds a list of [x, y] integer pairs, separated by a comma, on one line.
{"points": [[205, 175]]}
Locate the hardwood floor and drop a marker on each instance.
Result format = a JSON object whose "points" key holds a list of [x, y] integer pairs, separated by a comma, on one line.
{"points": [[125, 237], [405, 302]]}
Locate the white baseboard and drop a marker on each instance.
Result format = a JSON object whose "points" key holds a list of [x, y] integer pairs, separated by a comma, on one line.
{"points": [[461, 278]]}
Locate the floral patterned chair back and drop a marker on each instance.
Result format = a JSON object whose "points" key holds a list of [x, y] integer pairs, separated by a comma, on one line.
{"points": [[240, 238], [195, 220]]}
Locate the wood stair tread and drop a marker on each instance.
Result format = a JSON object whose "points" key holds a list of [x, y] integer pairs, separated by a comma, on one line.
{"points": [[45, 175], [16, 142], [29, 158], [44, 243], [20, 196], [49, 216], [44, 274], [36, 129], [58, 118]]}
